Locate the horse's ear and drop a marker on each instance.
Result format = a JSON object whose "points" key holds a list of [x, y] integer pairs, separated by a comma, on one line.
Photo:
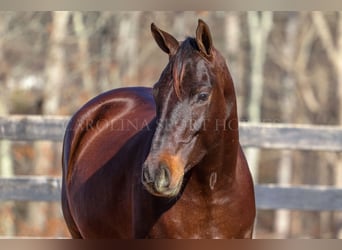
{"points": [[164, 40], [203, 38]]}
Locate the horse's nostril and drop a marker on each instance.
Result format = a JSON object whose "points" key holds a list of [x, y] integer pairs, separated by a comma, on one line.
{"points": [[162, 177], [146, 176], [158, 179]]}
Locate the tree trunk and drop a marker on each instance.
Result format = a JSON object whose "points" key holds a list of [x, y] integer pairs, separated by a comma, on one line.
{"points": [[260, 25], [282, 216], [55, 77], [334, 53], [127, 47], [338, 69], [7, 218], [109, 76], [232, 38], [84, 58]]}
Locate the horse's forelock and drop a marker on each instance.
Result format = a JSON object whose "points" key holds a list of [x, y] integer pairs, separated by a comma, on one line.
{"points": [[185, 51], [178, 73]]}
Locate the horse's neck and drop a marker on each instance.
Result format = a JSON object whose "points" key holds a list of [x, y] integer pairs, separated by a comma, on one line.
{"points": [[219, 166]]}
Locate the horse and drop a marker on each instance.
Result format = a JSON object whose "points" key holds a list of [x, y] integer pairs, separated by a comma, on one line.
{"points": [[164, 162]]}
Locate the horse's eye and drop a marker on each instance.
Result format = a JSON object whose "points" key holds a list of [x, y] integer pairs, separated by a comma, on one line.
{"points": [[202, 97]]}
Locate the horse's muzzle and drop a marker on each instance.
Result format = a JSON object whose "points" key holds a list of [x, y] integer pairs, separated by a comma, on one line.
{"points": [[160, 180]]}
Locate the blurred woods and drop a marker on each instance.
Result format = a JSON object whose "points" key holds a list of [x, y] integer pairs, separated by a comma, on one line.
{"points": [[287, 68]]}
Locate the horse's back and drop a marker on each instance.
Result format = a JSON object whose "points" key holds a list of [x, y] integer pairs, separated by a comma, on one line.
{"points": [[94, 137]]}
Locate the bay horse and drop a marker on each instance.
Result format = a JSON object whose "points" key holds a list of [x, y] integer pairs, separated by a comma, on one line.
{"points": [[164, 162]]}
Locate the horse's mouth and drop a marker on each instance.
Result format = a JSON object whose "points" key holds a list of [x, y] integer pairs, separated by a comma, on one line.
{"points": [[165, 192]]}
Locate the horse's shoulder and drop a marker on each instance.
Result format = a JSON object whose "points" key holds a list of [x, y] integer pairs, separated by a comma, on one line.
{"points": [[107, 115]]}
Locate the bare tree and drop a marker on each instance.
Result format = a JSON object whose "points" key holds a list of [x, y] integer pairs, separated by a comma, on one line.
{"points": [[294, 61], [55, 77], [7, 226], [235, 54], [127, 46], [82, 34], [259, 25], [55, 70], [334, 53], [282, 217]]}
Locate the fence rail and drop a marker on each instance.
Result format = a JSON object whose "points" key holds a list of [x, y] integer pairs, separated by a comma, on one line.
{"points": [[268, 196], [262, 135]]}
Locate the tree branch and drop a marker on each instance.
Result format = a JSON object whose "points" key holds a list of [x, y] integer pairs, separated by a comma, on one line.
{"points": [[300, 65], [324, 34]]}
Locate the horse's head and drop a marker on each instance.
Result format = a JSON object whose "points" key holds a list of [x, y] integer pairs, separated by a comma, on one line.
{"points": [[195, 103]]}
